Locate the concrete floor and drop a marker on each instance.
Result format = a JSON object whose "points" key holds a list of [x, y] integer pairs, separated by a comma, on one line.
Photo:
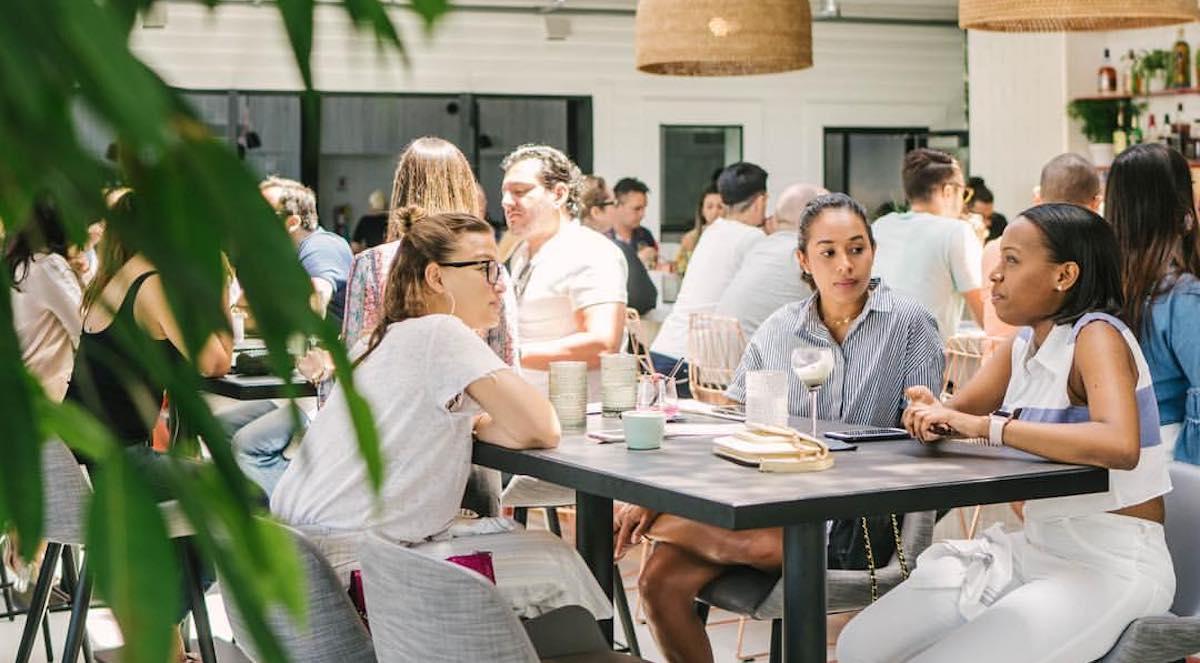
{"points": [[723, 627]]}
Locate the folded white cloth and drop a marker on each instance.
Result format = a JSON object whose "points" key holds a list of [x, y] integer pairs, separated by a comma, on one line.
{"points": [[982, 567]]}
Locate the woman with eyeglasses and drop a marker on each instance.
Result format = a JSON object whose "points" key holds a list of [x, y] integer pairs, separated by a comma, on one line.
{"points": [[432, 383], [432, 176]]}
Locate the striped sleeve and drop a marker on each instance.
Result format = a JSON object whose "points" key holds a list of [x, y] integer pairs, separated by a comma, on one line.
{"points": [[924, 359]]}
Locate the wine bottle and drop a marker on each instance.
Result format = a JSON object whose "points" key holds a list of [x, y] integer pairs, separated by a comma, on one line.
{"points": [[1181, 66], [1106, 76], [1120, 139]]}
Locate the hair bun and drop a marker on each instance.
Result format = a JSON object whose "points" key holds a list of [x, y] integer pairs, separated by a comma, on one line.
{"points": [[404, 218]]}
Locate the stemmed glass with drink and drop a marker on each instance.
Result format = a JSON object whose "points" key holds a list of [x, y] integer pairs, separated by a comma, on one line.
{"points": [[657, 393], [812, 366]]}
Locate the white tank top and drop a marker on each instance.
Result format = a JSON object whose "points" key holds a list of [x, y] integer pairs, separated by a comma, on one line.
{"points": [[1039, 386]]}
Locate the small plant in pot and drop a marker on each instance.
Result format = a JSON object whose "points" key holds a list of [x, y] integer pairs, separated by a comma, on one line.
{"points": [[1099, 120], [1152, 67]]}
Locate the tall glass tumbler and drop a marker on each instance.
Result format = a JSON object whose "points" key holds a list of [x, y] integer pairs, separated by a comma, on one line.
{"points": [[767, 398], [568, 393], [618, 383]]}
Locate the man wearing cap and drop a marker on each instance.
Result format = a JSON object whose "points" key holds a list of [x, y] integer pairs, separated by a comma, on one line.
{"points": [[716, 259]]}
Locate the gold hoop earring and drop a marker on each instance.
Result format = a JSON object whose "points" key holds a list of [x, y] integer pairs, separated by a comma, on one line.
{"points": [[453, 304]]}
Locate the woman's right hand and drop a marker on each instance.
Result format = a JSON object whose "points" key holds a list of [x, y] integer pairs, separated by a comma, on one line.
{"points": [[630, 523]]}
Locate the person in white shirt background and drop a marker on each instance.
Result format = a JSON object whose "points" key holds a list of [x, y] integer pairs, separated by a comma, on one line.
{"points": [[718, 256], [46, 298], [770, 274], [569, 280], [930, 253]]}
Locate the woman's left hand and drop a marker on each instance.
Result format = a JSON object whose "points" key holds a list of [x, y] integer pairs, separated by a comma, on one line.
{"points": [[929, 423]]}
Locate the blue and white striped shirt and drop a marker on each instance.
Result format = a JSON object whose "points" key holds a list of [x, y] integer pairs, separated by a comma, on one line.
{"points": [[893, 344]]}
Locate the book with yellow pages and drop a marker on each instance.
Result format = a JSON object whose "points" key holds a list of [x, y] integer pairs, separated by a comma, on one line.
{"points": [[774, 449]]}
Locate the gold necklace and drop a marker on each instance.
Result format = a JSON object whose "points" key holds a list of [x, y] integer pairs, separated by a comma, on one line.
{"points": [[843, 321]]}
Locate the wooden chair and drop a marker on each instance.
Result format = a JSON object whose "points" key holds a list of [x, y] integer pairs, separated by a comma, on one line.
{"points": [[714, 349]]}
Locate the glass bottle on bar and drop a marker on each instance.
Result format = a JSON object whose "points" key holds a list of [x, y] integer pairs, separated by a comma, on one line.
{"points": [[1135, 128], [1120, 139], [1182, 129], [1151, 130], [1181, 63], [1106, 77], [1127, 62]]}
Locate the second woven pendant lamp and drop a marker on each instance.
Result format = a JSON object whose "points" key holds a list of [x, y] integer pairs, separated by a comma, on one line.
{"points": [[723, 37], [1072, 15]]}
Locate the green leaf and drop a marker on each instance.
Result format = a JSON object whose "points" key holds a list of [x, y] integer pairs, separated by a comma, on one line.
{"points": [[78, 429], [21, 473], [110, 77], [298, 19], [257, 561], [135, 565], [430, 11]]}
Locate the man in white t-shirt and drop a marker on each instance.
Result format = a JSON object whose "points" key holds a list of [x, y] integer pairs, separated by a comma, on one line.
{"points": [[930, 253], [569, 280], [717, 257], [770, 273]]}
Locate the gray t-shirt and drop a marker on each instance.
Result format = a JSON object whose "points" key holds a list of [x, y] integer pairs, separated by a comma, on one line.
{"points": [[769, 278], [932, 259], [414, 384]]}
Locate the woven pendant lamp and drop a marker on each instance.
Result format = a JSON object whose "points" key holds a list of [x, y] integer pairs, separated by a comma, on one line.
{"points": [[1072, 15], [723, 37]]}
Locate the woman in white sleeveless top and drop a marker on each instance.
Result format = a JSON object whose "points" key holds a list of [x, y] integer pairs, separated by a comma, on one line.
{"points": [[1073, 387]]}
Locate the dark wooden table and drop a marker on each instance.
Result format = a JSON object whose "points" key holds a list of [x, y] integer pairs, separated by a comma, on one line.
{"points": [[255, 387], [685, 479]]}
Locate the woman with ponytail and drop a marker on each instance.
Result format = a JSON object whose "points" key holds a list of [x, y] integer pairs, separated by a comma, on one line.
{"points": [[432, 385], [432, 177]]}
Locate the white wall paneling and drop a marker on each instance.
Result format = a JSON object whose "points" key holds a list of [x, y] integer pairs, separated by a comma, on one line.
{"points": [[865, 75]]}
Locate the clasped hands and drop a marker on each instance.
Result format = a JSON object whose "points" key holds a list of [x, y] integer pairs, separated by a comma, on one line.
{"points": [[928, 420]]}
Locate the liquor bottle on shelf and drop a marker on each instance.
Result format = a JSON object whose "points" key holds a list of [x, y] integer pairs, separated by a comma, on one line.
{"points": [[1166, 136], [1181, 64], [1127, 62], [1135, 129], [1120, 139], [1106, 77], [1182, 128], [1151, 130]]}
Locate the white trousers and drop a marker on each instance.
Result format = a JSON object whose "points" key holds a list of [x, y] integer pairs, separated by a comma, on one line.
{"points": [[1058, 591]]}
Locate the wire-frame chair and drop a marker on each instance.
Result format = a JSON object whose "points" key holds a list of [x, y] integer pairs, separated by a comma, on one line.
{"points": [[714, 349], [965, 354]]}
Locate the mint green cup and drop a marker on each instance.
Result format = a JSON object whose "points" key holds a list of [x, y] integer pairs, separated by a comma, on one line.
{"points": [[643, 429]]}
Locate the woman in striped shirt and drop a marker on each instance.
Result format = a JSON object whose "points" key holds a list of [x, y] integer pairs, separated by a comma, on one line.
{"points": [[883, 343], [1072, 387]]}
